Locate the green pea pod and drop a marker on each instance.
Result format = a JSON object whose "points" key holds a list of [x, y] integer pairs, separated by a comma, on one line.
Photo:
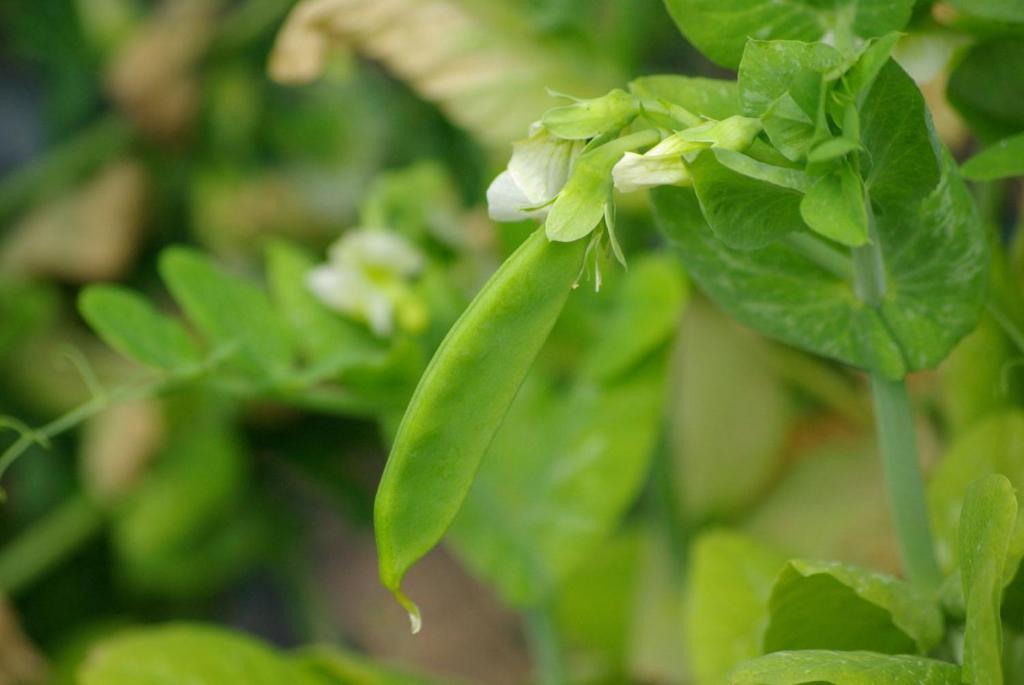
{"points": [[462, 399]]}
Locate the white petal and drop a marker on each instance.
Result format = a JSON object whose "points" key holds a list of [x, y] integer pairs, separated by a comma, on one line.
{"points": [[540, 165], [380, 314], [340, 289], [507, 202], [377, 249]]}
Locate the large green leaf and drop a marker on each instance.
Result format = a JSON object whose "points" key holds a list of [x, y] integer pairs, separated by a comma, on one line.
{"points": [[230, 311], [131, 325], [720, 28], [845, 668], [566, 463], [878, 613], [987, 87], [986, 530], [184, 653], [730, 582], [745, 213], [934, 251]]}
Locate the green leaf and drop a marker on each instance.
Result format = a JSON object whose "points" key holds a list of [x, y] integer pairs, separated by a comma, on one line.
{"points": [[905, 161], [595, 606], [745, 213], [845, 668], [131, 325], [879, 613], [187, 653], [833, 148], [711, 98], [994, 445], [202, 464], [934, 249], [1002, 160], [772, 69], [559, 476], [859, 78], [324, 337], [589, 118], [792, 131], [974, 385], [986, 529], [230, 311], [746, 165], [996, 10], [783, 82], [987, 87], [565, 466], [721, 471], [834, 205], [579, 207], [720, 28], [824, 503], [730, 581], [646, 314]]}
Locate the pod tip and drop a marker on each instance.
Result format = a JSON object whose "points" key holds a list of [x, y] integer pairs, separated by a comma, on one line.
{"points": [[415, 619]]}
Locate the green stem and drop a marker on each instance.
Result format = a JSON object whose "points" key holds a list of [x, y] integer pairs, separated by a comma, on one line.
{"points": [[544, 646], [905, 485], [48, 542], [897, 444], [821, 253]]}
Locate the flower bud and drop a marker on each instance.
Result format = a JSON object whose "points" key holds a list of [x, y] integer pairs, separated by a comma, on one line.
{"points": [[735, 133], [662, 165]]}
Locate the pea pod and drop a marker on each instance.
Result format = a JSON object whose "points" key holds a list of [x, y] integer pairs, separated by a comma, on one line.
{"points": [[462, 399]]}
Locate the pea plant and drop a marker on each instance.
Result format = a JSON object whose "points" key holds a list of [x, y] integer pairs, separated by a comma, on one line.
{"points": [[810, 199]]}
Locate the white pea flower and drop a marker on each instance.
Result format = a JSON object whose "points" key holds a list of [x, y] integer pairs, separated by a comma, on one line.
{"points": [[665, 163], [662, 165], [366, 277], [538, 169]]}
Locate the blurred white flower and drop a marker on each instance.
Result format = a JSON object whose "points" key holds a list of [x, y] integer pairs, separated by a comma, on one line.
{"points": [[366, 277], [536, 173]]}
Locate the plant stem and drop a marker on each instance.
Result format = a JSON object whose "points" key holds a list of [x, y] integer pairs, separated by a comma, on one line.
{"points": [[894, 421], [544, 646], [822, 254], [897, 444], [48, 542]]}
